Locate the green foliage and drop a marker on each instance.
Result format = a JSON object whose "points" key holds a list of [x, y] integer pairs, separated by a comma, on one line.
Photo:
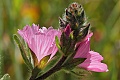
{"points": [[5, 77]]}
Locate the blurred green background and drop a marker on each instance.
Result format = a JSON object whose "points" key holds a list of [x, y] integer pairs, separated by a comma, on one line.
{"points": [[104, 16]]}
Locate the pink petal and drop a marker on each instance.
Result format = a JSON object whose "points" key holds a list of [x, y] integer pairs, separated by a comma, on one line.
{"points": [[26, 33], [93, 63], [88, 36], [83, 47], [35, 29], [40, 41]]}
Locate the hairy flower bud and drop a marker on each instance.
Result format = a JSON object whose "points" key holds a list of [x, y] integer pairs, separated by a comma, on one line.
{"points": [[75, 16]]}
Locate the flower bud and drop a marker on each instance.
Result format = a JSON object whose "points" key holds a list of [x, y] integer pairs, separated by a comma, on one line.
{"points": [[74, 16], [67, 30]]}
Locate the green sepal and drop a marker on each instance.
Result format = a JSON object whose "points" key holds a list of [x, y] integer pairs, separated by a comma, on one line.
{"points": [[58, 45], [70, 65], [83, 33], [39, 66], [35, 72], [42, 63], [67, 44], [34, 58], [5, 77], [50, 64], [81, 18], [23, 52], [62, 23], [57, 41], [71, 35], [63, 39]]}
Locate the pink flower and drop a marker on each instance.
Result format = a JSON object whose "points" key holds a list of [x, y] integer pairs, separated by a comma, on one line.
{"points": [[40, 41], [93, 59]]}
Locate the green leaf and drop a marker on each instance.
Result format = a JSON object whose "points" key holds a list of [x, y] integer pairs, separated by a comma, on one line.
{"points": [[57, 42], [5, 77], [70, 65], [50, 64], [80, 73], [23, 52]]}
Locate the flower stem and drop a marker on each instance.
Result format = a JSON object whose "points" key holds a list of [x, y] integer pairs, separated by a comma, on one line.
{"points": [[56, 68]]}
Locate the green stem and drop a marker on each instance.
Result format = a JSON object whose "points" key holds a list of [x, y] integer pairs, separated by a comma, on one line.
{"points": [[56, 68]]}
